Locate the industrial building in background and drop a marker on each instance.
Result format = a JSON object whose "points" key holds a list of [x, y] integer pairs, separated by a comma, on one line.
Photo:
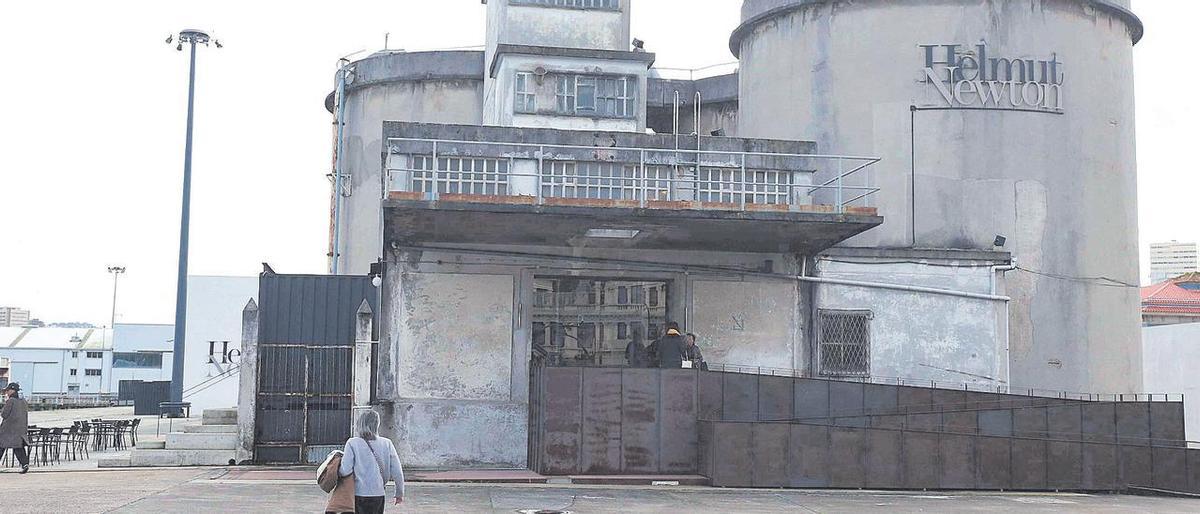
{"points": [[13, 317], [1173, 259], [938, 192]]}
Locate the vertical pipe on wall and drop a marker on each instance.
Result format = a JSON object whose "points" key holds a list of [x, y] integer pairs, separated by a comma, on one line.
{"points": [[338, 164]]}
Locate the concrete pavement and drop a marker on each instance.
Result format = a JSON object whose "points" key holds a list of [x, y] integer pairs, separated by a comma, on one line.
{"points": [[200, 490]]}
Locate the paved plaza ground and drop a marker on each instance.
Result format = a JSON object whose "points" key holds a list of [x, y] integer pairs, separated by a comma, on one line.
{"points": [[200, 490]]}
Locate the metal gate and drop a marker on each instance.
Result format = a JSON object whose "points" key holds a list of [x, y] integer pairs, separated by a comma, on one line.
{"points": [[306, 364]]}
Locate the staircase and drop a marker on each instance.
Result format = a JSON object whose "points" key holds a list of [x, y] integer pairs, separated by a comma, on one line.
{"points": [[211, 443]]}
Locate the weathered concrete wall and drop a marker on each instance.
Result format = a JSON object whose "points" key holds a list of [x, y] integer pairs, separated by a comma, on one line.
{"points": [[1061, 187], [1170, 358], [454, 356], [522, 24], [453, 366], [433, 87], [751, 323], [925, 336]]}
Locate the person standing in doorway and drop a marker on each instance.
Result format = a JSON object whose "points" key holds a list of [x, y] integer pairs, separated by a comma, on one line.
{"points": [[691, 352], [670, 348], [635, 352], [14, 425]]}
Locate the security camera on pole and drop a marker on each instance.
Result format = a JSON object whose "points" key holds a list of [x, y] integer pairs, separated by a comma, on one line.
{"points": [[191, 38]]}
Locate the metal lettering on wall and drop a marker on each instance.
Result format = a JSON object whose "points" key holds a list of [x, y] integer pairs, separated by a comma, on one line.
{"points": [[968, 77], [222, 359]]}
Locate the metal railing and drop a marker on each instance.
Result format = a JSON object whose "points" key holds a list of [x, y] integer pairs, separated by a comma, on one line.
{"points": [[628, 176], [955, 386]]}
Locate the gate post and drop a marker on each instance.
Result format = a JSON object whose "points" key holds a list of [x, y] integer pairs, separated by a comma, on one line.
{"points": [[248, 382], [361, 389]]}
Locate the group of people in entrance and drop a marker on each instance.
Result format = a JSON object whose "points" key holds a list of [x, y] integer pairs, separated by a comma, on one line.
{"points": [[673, 350]]}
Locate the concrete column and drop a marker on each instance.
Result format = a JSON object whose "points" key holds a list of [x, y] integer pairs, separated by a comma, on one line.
{"points": [[363, 341], [248, 382]]}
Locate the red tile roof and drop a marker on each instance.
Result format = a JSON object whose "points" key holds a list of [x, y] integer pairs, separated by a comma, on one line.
{"points": [[1170, 298]]}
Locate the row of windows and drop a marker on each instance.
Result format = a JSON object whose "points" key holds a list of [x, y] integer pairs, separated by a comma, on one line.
{"points": [[580, 95], [90, 355], [577, 4], [88, 372]]}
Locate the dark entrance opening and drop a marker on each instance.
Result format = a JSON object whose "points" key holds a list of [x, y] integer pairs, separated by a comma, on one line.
{"points": [[588, 321]]}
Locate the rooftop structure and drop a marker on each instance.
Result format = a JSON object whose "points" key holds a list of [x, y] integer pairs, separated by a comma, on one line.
{"points": [[1172, 301]]}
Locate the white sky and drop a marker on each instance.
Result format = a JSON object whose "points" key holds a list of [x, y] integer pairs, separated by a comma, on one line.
{"points": [[91, 143]]}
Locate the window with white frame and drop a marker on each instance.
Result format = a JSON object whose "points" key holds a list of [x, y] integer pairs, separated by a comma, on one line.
{"points": [[844, 342], [91, 372], [592, 95], [526, 100], [605, 180], [573, 4], [730, 185], [462, 175]]}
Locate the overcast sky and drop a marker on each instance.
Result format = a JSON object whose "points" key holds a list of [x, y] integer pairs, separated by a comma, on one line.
{"points": [[91, 144]]}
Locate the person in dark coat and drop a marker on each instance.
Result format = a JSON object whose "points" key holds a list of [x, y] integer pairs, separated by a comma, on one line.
{"points": [[691, 352], [670, 348], [14, 425], [636, 353]]}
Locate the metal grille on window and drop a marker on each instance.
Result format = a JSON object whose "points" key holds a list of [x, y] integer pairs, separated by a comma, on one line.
{"points": [[604, 180], [729, 185], [526, 100], [460, 175], [844, 342]]}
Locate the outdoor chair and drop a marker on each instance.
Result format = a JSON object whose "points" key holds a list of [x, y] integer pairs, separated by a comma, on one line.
{"points": [[80, 440], [133, 428]]}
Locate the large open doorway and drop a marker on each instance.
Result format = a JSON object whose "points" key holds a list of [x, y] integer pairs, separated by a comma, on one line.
{"points": [[589, 321]]}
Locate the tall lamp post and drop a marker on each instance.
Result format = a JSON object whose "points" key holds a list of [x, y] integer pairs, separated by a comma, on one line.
{"points": [[116, 272], [192, 38]]}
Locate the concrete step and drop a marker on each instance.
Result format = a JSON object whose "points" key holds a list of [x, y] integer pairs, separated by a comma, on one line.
{"points": [[150, 444], [202, 441], [219, 417], [113, 462], [166, 458], [209, 429]]}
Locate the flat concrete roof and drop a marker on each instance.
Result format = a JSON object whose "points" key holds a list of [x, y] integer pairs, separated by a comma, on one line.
{"points": [[664, 227]]}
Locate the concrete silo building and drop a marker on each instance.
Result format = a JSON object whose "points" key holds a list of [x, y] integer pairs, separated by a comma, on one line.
{"points": [[993, 118], [934, 192]]}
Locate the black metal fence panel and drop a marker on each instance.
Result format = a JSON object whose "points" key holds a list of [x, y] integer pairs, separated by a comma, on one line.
{"points": [[678, 441], [640, 420], [601, 429], [562, 421], [1029, 464], [808, 456], [769, 445], [1099, 422], [740, 397], [1166, 421], [811, 398], [1100, 466], [884, 457], [1133, 423], [994, 463]]}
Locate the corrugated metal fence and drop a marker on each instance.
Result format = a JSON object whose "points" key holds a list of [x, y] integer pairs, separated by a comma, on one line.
{"points": [[306, 363]]}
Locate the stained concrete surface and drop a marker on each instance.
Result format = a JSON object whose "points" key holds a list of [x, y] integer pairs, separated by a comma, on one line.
{"points": [[210, 490]]}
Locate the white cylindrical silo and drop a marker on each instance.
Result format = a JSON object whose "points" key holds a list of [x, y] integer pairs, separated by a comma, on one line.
{"points": [[993, 117]]}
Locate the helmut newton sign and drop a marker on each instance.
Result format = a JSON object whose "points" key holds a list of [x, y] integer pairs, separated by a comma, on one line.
{"points": [[966, 76]]}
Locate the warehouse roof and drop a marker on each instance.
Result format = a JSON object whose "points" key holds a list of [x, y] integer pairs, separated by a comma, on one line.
{"points": [[56, 338]]}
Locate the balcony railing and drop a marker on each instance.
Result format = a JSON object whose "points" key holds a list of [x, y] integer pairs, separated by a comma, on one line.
{"points": [[539, 174]]}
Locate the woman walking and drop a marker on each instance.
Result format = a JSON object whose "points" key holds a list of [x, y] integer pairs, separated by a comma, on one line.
{"points": [[14, 425], [373, 461]]}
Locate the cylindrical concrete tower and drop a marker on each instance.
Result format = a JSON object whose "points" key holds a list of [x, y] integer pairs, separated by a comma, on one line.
{"points": [[430, 87], [993, 117]]}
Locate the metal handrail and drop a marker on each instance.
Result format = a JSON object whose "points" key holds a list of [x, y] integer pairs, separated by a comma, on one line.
{"points": [[738, 189], [953, 386]]}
